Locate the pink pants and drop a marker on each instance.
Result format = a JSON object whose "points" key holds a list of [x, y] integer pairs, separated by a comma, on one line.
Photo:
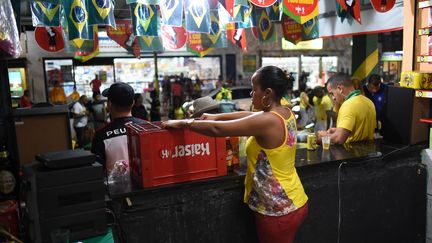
{"points": [[280, 229]]}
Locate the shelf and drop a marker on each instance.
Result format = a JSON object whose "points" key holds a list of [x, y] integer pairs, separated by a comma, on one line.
{"points": [[425, 4]]}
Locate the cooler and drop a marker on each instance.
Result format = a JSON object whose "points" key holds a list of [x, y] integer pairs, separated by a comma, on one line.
{"points": [[159, 156]]}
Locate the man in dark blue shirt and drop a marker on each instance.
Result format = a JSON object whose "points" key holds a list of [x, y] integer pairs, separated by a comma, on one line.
{"points": [[375, 91]]}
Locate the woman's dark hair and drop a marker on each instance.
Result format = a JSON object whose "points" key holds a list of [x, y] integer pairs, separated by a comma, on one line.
{"points": [[137, 96], [274, 78]]}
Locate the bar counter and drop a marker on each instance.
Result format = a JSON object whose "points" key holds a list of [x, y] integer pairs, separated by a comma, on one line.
{"points": [[381, 188]]}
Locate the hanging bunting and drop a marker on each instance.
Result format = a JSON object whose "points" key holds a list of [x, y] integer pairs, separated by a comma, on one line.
{"points": [[310, 30], [124, 36], [49, 38], [265, 28], [45, 14], [301, 10], [197, 15], [292, 30], [150, 43], [341, 13], [263, 3], [146, 2], [248, 20], [228, 5], [172, 12], [75, 45], [77, 17], [101, 12], [274, 11], [84, 56], [217, 36], [237, 36], [198, 44], [173, 37], [383, 6], [224, 16], [352, 7], [144, 19]]}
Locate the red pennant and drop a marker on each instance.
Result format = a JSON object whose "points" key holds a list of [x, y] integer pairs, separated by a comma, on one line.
{"points": [[353, 8], [383, 6], [173, 37], [291, 29], [49, 38], [237, 36], [123, 35]]}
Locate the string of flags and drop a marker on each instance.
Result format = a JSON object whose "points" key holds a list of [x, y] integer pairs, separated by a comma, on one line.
{"points": [[200, 25]]}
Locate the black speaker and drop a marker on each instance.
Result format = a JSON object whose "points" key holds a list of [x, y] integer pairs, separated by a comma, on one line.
{"points": [[402, 112]]}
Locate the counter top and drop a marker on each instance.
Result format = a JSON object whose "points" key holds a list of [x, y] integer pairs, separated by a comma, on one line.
{"points": [[353, 152]]}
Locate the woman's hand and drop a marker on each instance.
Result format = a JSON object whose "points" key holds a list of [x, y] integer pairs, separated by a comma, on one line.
{"points": [[209, 117], [174, 123]]}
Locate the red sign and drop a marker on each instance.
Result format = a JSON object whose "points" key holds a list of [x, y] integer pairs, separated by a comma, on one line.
{"points": [[383, 6], [262, 3], [49, 38], [173, 37], [301, 7], [291, 29], [124, 36]]}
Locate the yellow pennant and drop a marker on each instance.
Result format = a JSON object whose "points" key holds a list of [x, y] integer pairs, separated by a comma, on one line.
{"points": [[148, 40], [49, 12], [144, 14], [78, 14], [103, 10]]}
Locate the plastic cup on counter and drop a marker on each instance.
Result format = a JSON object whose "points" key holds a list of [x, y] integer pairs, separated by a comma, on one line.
{"points": [[326, 142]]}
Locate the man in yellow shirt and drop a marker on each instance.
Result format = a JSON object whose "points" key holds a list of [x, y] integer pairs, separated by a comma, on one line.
{"points": [[356, 118], [323, 105]]}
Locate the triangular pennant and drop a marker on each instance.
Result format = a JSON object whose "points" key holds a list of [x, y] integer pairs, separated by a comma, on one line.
{"points": [[291, 29], [310, 30], [84, 56], [173, 37], [352, 7], [101, 12], [45, 14], [228, 5], [301, 11], [150, 43], [144, 19], [199, 44], [237, 36], [124, 36], [172, 12], [341, 13], [197, 15]]}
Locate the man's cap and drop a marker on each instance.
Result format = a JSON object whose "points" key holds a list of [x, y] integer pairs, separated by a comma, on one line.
{"points": [[204, 104], [120, 94]]}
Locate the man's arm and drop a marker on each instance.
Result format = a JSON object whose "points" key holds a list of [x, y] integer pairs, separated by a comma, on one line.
{"points": [[337, 135]]}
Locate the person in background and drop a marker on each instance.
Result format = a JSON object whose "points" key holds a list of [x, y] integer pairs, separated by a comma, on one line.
{"points": [[166, 93], [273, 189], [374, 89], [98, 111], [57, 94], [154, 106], [177, 91], [80, 118], [110, 141], [323, 105], [25, 101], [138, 109], [356, 117], [306, 113], [74, 96], [95, 84]]}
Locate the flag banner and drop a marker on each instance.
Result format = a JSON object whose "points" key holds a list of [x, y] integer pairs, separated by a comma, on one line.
{"points": [[172, 12], [145, 19], [274, 12], [228, 5], [198, 44], [49, 38], [45, 14], [146, 2], [341, 13], [124, 36], [84, 56], [291, 29], [263, 3], [301, 10], [150, 43], [197, 16], [383, 6], [217, 36], [173, 37], [265, 28], [101, 12], [77, 17], [352, 7], [72, 46], [310, 30], [248, 14], [237, 36], [224, 16]]}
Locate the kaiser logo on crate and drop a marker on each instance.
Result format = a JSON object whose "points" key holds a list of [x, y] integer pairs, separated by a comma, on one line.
{"points": [[192, 150]]}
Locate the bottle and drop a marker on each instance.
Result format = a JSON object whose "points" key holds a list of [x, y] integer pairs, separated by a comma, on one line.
{"points": [[7, 178]]}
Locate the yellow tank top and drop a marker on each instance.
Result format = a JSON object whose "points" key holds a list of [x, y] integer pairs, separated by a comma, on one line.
{"points": [[272, 186]]}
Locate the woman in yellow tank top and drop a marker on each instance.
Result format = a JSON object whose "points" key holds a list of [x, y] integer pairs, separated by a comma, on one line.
{"points": [[273, 189]]}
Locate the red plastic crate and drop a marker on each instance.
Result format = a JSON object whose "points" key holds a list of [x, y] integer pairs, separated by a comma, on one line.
{"points": [[159, 156]]}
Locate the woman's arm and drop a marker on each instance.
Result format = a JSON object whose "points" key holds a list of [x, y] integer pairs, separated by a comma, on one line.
{"points": [[227, 116]]}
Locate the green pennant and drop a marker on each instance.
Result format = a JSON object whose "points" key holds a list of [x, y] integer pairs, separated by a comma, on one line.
{"points": [[310, 29], [77, 17], [144, 19], [274, 11], [217, 36], [101, 12], [45, 14], [150, 43], [265, 28], [197, 16]]}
